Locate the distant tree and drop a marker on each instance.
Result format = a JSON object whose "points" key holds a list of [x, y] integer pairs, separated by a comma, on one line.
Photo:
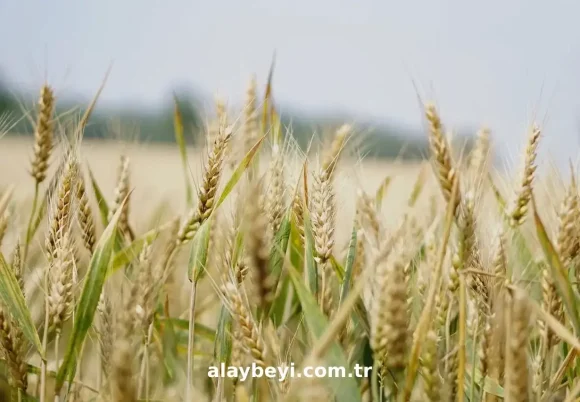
{"points": [[156, 125], [7, 103]]}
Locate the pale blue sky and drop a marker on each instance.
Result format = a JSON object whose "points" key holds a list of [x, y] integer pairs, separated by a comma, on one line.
{"points": [[494, 62]]}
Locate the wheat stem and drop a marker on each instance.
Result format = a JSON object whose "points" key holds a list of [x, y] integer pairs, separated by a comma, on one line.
{"points": [[30, 222], [44, 349], [190, 340]]}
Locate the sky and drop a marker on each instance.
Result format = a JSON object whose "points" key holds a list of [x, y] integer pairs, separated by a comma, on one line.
{"points": [[503, 64]]}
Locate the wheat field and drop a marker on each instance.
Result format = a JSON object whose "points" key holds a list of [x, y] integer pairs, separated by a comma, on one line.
{"points": [[128, 270]]}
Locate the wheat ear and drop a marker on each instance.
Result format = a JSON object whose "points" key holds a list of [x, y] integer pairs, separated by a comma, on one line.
{"points": [[523, 196], [323, 212], [43, 134], [441, 152]]}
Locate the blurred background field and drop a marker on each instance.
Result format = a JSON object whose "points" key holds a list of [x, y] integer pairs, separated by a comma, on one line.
{"points": [[157, 177]]}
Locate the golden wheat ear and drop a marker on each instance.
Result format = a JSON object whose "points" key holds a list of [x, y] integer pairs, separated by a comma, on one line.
{"points": [[441, 152], [521, 202], [275, 201], [208, 189], [85, 216], [43, 134]]}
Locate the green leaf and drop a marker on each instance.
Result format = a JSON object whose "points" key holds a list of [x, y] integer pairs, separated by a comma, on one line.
{"points": [[267, 106], [279, 305], [129, 253], [350, 257], [201, 331], [296, 248], [87, 114], [278, 250], [338, 268], [558, 272], [15, 304], [199, 251], [345, 389], [362, 317], [223, 342], [239, 242], [126, 255], [276, 262], [360, 352], [101, 201], [170, 341], [89, 299], [491, 386], [39, 215], [309, 253], [238, 173]]}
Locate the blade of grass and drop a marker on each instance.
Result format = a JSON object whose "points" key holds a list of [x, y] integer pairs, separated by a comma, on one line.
{"points": [[104, 211], [15, 304], [191, 340], [199, 252], [311, 270], [564, 369], [276, 125], [169, 342], [556, 326], [279, 305], [195, 270], [101, 201], [278, 250], [126, 255], [558, 273], [491, 386], [276, 262], [345, 389], [203, 331], [88, 300], [461, 354], [223, 339], [239, 242], [39, 216], [238, 173], [349, 266], [268, 96], [326, 340], [425, 318], [338, 268], [87, 115]]}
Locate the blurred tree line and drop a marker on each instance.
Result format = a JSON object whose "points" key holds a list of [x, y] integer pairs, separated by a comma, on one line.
{"points": [[156, 125]]}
